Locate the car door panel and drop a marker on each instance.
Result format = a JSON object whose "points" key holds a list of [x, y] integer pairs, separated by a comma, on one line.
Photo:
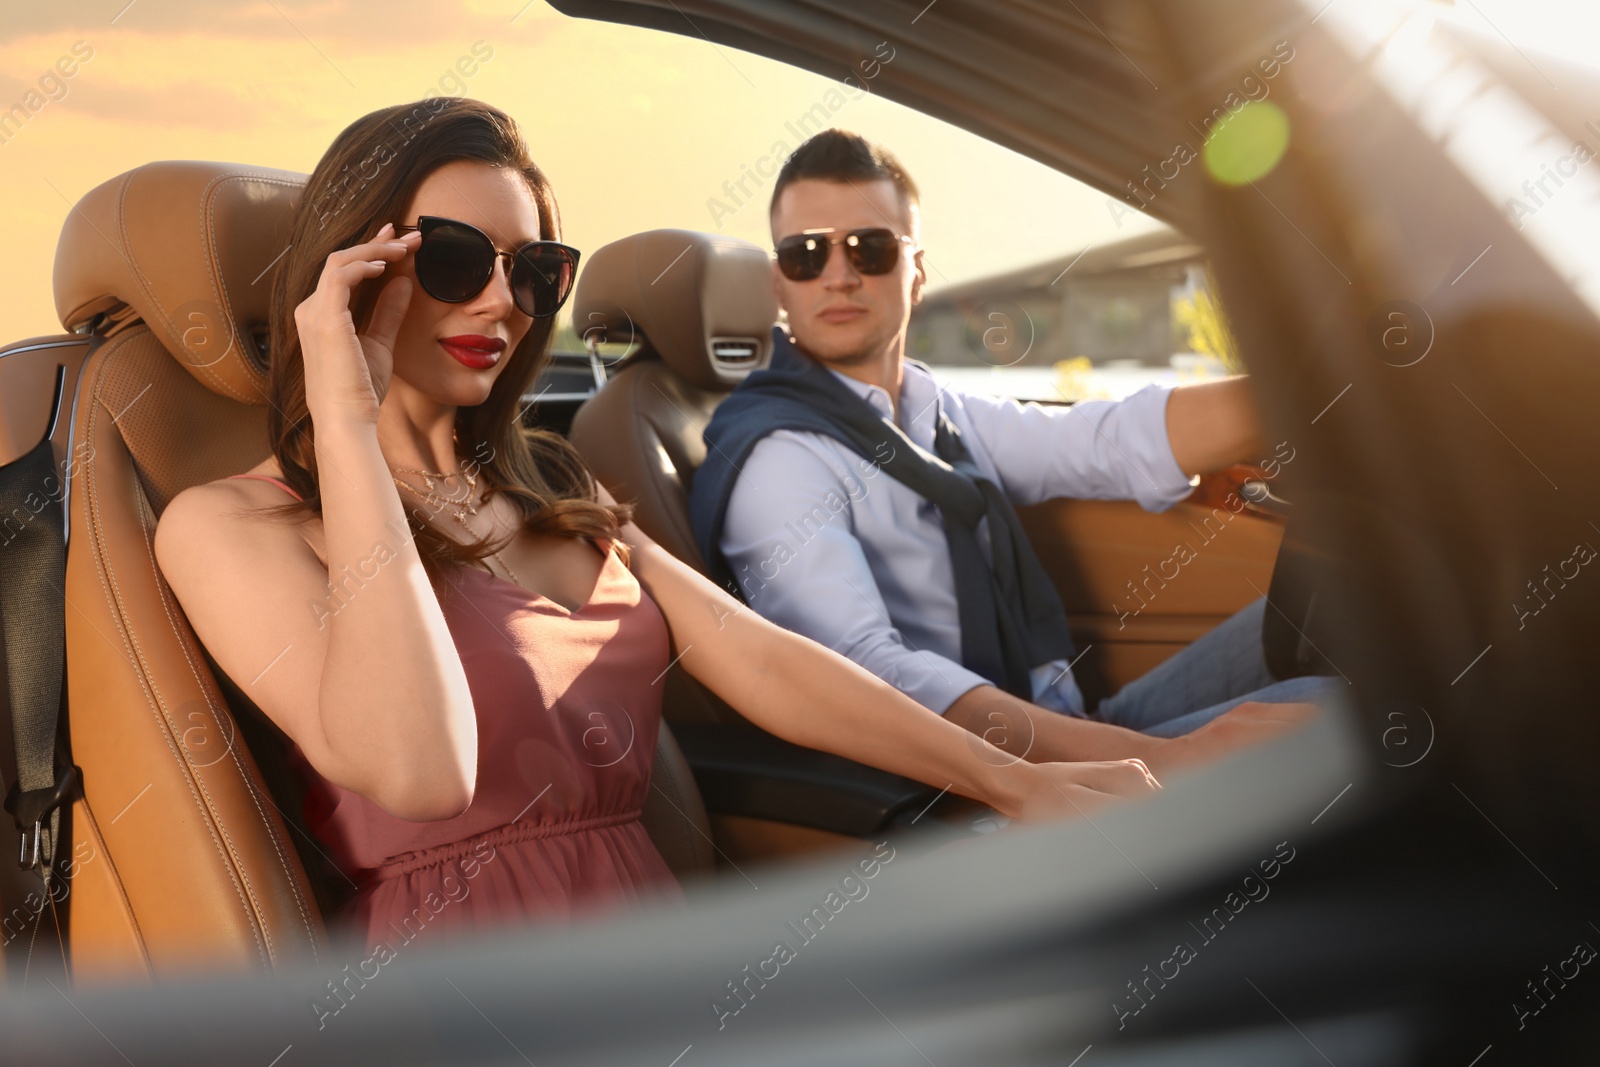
{"points": [[1139, 586]]}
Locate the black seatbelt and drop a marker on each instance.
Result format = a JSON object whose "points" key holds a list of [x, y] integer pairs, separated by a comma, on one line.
{"points": [[33, 564]]}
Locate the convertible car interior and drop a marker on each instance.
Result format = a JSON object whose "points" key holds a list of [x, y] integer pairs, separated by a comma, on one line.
{"points": [[170, 791], [163, 902]]}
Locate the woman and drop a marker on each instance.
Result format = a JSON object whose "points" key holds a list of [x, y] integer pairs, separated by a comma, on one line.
{"points": [[462, 633]]}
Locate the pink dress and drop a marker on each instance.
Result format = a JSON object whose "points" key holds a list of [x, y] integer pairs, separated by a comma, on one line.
{"points": [[568, 707]]}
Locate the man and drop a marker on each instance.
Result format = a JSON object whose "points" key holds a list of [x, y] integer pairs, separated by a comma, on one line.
{"points": [[849, 498]]}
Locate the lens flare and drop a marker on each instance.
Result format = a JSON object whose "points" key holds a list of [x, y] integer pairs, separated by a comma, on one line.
{"points": [[1247, 146]]}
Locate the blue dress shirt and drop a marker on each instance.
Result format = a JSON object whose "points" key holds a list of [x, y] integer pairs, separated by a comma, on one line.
{"points": [[823, 542]]}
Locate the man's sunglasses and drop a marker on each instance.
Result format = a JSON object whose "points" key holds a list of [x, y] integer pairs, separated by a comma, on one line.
{"points": [[455, 261], [802, 256]]}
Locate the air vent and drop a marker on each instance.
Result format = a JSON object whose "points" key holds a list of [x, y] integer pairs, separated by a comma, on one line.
{"points": [[735, 351]]}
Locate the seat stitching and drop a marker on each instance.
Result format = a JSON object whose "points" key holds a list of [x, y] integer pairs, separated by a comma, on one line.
{"points": [[277, 846], [114, 598], [643, 452], [119, 888], [120, 217], [222, 309], [167, 605], [254, 899], [219, 384], [208, 201], [657, 491]]}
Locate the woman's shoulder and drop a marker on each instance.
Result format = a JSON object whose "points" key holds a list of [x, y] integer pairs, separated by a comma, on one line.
{"points": [[230, 508], [222, 501]]}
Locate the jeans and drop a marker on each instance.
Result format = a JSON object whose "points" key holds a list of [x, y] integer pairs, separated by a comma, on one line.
{"points": [[1223, 669]]}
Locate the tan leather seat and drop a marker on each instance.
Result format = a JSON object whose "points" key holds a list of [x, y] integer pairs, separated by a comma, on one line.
{"points": [[187, 859], [701, 308]]}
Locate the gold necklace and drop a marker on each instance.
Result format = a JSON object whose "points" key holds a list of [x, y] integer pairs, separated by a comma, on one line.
{"points": [[429, 476], [433, 496], [455, 438], [459, 509]]}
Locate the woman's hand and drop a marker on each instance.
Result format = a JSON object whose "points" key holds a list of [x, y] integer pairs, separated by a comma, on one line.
{"points": [[347, 374], [1062, 790]]}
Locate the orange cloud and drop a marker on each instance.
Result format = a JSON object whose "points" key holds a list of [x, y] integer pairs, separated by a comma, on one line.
{"points": [[638, 129], [348, 22]]}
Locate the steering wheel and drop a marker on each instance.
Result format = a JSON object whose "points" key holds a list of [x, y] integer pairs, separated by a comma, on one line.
{"points": [[1288, 634], [1291, 616]]}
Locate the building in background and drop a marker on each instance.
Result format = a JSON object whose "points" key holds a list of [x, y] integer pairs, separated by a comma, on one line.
{"points": [[1097, 322]]}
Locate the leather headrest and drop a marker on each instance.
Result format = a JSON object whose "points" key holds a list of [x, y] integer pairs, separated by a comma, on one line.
{"points": [[703, 303], [189, 246]]}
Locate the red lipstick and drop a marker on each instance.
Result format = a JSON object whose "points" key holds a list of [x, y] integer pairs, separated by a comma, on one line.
{"points": [[474, 349]]}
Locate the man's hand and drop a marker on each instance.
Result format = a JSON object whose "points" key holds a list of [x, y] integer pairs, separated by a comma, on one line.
{"points": [[1251, 723]]}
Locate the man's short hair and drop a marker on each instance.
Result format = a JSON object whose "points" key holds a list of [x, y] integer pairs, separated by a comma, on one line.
{"points": [[841, 156]]}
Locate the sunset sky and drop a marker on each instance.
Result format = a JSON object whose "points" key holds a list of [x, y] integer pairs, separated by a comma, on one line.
{"points": [[637, 129]]}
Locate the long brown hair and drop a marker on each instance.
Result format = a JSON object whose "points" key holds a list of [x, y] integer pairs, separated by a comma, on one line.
{"points": [[366, 178]]}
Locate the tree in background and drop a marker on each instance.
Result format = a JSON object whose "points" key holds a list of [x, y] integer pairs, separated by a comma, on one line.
{"points": [[1203, 316]]}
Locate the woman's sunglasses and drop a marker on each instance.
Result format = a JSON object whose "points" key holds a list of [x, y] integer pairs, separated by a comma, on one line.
{"points": [[803, 256], [455, 261]]}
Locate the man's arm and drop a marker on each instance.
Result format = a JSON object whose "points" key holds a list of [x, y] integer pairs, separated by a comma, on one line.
{"points": [[1212, 425], [1032, 733], [1093, 450], [1143, 448], [1039, 735]]}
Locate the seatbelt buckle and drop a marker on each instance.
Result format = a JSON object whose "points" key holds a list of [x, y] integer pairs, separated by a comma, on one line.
{"points": [[30, 809], [29, 859]]}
